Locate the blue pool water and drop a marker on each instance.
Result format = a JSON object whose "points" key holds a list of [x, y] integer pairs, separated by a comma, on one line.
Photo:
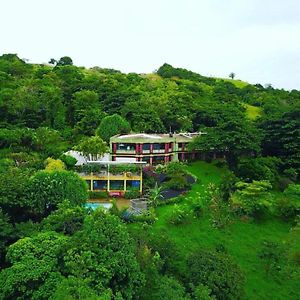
{"points": [[94, 205]]}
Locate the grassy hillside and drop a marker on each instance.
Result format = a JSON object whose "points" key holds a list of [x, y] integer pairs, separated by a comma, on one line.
{"points": [[241, 239], [252, 112]]}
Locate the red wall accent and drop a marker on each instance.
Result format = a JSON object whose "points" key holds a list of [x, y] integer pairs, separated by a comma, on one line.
{"points": [[151, 148], [114, 147]]}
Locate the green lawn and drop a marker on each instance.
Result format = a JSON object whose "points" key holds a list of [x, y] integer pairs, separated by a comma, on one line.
{"points": [[252, 112], [238, 83], [241, 239]]}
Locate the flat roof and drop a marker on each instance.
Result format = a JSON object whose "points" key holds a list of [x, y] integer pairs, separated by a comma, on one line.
{"points": [[115, 162], [155, 137]]}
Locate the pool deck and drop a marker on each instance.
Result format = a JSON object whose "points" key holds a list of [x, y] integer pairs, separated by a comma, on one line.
{"points": [[121, 202]]}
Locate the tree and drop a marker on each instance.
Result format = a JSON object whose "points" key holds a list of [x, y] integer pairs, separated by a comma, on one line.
{"points": [[6, 234], [52, 61], [13, 187], [72, 288], [92, 148], [218, 272], [65, 61], [54, 164], [66, 219], [103, 254], [232, 75], [112, 125], [252, 198], [47, 189], [33, 271], [83, 102], [282, 136], [234, 137]]}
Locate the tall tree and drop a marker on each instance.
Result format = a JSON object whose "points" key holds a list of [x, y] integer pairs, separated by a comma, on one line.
{"points": [[93, 148], [112, 125]]}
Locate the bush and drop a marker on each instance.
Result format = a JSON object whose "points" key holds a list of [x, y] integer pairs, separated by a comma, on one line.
{"points": [[177, 182], [288, 206], [261, 168], [172, 168], [47, 189], [132, 194], [218, 272], [252, 199], [98, 194], [120, 169], [283, 183], [179, 215], [69, 161]]}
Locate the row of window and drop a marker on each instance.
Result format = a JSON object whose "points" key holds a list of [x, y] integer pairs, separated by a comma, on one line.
{"points": [[132, 147], [114, 184]]}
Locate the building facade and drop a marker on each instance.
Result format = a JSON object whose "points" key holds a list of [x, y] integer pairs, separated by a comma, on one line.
{"points": [[113, 179], [152, 148]]}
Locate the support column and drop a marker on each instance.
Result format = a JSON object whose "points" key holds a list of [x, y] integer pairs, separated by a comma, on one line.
{"points": [[151, 148], [137, 148], [125, 185], [108, 179], [114, 148], [141, 180], [151, 160]]}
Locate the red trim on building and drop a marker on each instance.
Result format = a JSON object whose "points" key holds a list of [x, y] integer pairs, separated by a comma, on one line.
{"points": [[114, 147], [137, 148], [166, 147]]}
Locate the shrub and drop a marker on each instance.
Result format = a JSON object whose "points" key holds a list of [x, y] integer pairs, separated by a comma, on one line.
{"points": [[252, 199], [177, 182], [98, 194], [120, 169], [283, 183], [47, 189], [261, 168], [172, 168], [54, 164], [271, 253], [179, 215], [218, 272], [69, 161], [132, 194], [288, 206]]}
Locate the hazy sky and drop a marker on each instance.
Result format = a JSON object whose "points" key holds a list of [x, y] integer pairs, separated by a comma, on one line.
{"points": [[259, 40]]}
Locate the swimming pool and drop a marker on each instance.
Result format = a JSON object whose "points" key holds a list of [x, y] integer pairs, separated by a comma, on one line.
{"points": [[94, 205]]}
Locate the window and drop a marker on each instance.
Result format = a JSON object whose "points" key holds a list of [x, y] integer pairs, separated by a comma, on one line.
{"points": [[132, 184], [99, 184], [158, 146], [126, 147], [146, 146], [117, 185]]}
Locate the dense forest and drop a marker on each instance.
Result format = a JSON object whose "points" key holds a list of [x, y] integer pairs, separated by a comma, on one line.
{"points": [[52, 247]]}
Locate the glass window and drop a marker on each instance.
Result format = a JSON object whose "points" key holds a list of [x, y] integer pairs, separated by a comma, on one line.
{"points": [[117, 185], [132, 184], [99, 184], [158, 146], [125, 146], [146, 146]]}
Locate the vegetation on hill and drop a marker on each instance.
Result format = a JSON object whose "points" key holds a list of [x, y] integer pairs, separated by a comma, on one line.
{"points": [[234, 235]]}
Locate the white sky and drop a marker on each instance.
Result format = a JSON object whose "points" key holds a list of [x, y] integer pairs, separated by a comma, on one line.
{"points": [[259, 40]]}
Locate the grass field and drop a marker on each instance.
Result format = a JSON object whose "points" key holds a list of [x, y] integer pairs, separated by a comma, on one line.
{"points": [[252, 112], [242, 240]]}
